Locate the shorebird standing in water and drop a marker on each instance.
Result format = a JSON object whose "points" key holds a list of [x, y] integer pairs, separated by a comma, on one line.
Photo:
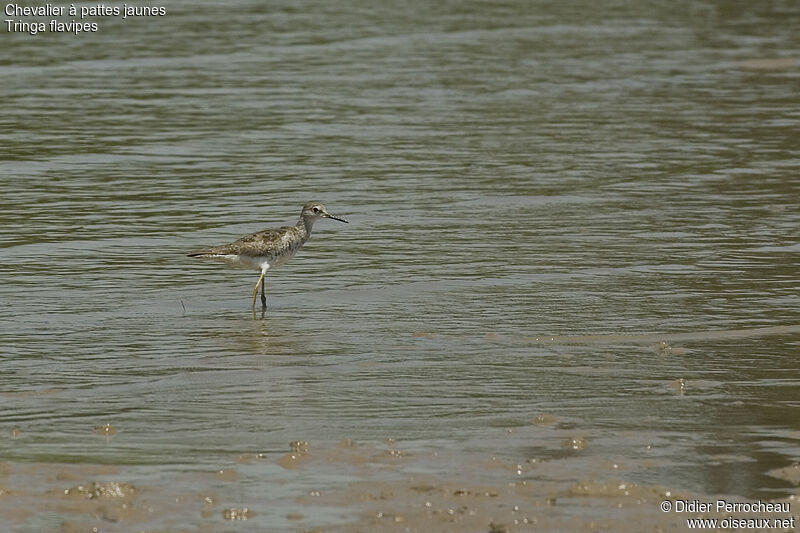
{"points": [[269, 248]]}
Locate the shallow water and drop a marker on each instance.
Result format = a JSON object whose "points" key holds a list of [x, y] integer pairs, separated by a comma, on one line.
{"points": [[560, 210]]}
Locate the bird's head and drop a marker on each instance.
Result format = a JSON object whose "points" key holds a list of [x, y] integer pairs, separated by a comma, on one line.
{"points": [[314, 210]]}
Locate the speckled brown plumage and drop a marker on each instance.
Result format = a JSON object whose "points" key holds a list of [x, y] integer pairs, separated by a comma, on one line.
{"points": [[269, 248], [270, 245]]}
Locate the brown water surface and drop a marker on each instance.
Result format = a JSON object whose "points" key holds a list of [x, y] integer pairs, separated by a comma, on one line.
{"points": [[573, 239]]}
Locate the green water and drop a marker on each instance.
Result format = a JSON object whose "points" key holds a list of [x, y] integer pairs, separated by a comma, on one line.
{"points": [[509, 171]]}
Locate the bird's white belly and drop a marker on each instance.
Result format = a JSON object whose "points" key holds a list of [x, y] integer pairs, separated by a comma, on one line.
{"points": [[255, 263], [241, 261]]}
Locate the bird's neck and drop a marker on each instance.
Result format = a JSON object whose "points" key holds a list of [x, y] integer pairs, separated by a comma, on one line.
{"points": [[304, 225]]}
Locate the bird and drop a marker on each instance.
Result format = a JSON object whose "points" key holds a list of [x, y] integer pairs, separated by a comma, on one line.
{"points": [[269, 248]]}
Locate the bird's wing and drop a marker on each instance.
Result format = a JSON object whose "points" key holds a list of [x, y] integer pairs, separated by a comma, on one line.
{"points": [[249, 245]]}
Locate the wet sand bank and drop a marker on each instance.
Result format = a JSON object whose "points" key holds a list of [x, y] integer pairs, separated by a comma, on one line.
{"points": [[349, 487]]}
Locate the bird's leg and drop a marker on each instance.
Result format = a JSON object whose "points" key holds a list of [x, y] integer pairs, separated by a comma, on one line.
{"points": [[263, 296], [255, 291]]}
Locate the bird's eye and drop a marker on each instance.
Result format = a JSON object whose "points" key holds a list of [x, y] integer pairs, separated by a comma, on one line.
{"points": [[316, 210]]}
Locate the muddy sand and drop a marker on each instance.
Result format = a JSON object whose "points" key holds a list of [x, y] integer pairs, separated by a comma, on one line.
{"points": [[353, 487]]}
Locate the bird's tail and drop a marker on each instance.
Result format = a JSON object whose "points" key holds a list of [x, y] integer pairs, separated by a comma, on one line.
{"points": [[202, 254]]}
